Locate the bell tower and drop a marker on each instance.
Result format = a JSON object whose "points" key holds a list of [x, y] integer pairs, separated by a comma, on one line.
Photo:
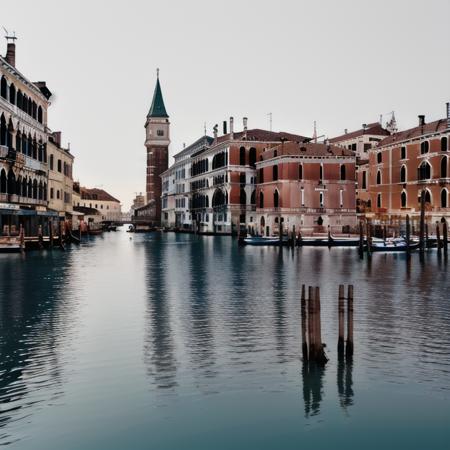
{"points": [[157, 128]]}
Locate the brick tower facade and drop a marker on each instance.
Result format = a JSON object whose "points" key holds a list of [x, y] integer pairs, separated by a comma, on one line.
{"points": [[157, 142]]}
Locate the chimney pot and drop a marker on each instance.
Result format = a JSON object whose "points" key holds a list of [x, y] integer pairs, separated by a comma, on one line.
{"points": [[421, 120], [231, 128], [224, 127], [11, 54]]}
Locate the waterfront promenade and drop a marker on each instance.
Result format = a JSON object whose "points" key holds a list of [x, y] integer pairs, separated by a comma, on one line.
{"points": [[173, 341]]}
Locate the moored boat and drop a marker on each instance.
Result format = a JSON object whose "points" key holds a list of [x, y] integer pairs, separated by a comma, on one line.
{"points": [[393, 245], [261, 240], [10, 245]]}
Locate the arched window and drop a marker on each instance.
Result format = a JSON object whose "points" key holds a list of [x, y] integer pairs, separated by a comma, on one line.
{"points": [[424, 171], [30, 188], [444, 197], [39, 114], [253, 198], [275, 154], [378, 200], [379, 177], [24, 187], [19, 99], [24, 102], [343, 172], [45, 191], [52, 162], [30, 106], [276, 199], [35, 189], [252, 157], [261, 199], [379, 157], [321, 173], [34, 147], [444, 164], [242, 197], [424, 147], [3, 131], [444, 144], [12, 94], [18, 141], [11, 182], [403, 199], [4, 88], [3, 182], [261, 175], [403, 174], [300, 171], [242, 156], [40, 191], [403, 153], [34, 110], [275, 173], [427, 196], [19, 186]]}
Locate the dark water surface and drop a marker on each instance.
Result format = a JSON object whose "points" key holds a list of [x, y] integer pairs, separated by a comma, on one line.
{"points": [[181, 342]]}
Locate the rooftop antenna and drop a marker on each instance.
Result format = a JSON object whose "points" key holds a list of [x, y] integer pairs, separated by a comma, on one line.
{"points": [[270, 120], [10, 37], [157, 72]]}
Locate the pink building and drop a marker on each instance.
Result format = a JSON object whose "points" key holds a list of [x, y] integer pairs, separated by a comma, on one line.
{"points": [[308, 186]]}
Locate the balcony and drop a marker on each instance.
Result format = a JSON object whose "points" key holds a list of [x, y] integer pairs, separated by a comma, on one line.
{"points": [[21, 115]]}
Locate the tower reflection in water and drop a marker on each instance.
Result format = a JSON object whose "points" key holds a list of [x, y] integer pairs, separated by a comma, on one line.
{"points": [[159, 347]]}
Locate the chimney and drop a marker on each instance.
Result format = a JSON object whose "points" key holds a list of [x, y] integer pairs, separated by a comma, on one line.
{"points": [[244, 120], [421, 120], [448, 115], [345, 131], [57, 138], [11, 54], [224, 127], [216, 127], [231, 128], [364, 126]]}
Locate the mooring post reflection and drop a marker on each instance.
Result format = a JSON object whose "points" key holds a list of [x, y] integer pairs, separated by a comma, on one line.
{"points": [[312, 378]]}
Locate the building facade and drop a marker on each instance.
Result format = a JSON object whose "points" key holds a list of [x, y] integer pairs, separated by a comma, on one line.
{"points": [[60, 178], [307, 187], [107, 206], [157, 127], [407, 163], [219, 180], [23, 148]]}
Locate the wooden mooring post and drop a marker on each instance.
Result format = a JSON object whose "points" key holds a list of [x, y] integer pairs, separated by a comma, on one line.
{"points": [[422, 222], [408, 237], [341, 314], [349, 346], [445, 236], [40, 237], [312, 346], [303, 319], [50, 232], [438, 239], [22, 238], [361, 240]]}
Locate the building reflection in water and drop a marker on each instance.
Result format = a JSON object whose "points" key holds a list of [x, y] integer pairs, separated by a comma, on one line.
{"points": [[159, 347], [201, 338], [35, 320], [279, 299]]}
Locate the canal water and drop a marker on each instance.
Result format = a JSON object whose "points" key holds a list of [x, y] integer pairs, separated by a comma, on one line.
{"points": [[165, 341]]}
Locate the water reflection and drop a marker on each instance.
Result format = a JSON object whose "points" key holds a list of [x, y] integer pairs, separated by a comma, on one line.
{"points": [[345, 381], [312, 378], [34, 322], [159, 347]]}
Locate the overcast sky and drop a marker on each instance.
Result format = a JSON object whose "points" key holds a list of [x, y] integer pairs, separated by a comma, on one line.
{"points": [[341, 63]]}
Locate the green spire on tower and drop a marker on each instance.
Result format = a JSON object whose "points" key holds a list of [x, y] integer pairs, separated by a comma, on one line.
{"points": [[157, 109]]}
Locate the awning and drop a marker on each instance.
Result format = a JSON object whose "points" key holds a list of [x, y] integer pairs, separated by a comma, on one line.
{"points": [[27, 212]]}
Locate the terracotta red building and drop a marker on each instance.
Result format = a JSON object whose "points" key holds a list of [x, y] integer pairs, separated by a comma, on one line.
{"points": [[407, 162], [309, 186]]}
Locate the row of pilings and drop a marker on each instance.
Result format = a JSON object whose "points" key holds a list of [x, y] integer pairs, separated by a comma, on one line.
{"points": [[313, 349]]}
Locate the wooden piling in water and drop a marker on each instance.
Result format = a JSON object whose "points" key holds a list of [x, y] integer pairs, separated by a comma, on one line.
{"points": [[361, 240], [438, 239], [408, 237], [349, 346], [369, 238], [303, 323], [422, 222], [320, 352], [40, 237], [445, 236], [50, 232], [311, 324], [293, 236], [22, 238], [341, 313]]}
